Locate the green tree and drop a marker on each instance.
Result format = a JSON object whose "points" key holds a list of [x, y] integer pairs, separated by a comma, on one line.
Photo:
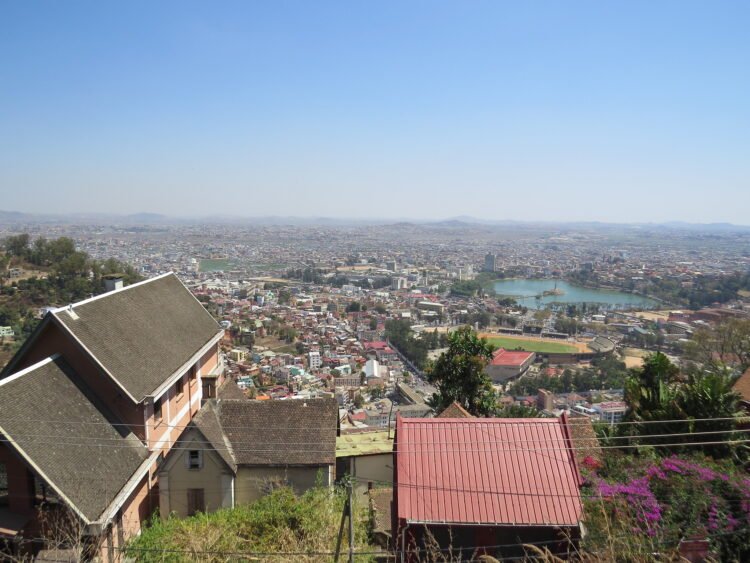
{"points": [[651, 396], [728, 344], [459, 374], [359, 401], [354, 307], [18, 245], [705, 402], [711, 396], [518, 411]]}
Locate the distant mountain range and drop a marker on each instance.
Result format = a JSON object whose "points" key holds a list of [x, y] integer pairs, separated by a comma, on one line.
{"points": [[460, 222]]}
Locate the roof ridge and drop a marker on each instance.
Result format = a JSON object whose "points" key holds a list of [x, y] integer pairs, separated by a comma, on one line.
{"points": [[29, 369], [113, 292]]}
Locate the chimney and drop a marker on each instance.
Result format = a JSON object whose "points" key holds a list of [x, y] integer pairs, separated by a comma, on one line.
{"points": [[112, 284]]}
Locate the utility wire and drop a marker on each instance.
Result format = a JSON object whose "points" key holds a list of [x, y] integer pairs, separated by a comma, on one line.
{"points": [[105, 443], [488, 421], [286, 444]]}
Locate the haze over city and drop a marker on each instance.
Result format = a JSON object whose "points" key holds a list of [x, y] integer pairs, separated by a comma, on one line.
{"points": [[541, 111]]}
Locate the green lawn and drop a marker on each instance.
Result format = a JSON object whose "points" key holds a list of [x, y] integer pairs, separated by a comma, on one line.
{"points": [[532, 345], [210, 265]]}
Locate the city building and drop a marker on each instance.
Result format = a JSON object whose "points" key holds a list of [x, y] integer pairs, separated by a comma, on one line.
{"points": [[490, 262], [507, 364], [314, 360], [611, 412]]}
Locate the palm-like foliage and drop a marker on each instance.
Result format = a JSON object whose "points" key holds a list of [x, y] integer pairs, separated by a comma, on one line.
{"points": [[660, 404]]}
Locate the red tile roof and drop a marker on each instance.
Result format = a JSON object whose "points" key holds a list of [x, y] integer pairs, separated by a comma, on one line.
{"points": [[503, 357], [488, 471], [454, 410]]}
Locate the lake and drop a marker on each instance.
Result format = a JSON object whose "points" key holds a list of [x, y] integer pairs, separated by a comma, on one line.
{"points": [[525, 292]]}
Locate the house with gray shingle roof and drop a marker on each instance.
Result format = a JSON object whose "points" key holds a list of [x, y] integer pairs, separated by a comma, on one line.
{"points": [[64, 448], [140, 357]]}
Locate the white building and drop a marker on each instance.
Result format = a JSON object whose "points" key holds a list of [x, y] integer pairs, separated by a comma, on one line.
{"points": [[399, 283], [314, 360], [372, 369], [611, 412]]}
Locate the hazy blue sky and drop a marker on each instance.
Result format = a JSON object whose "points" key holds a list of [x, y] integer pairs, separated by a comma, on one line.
{"points": [[601, 110]]}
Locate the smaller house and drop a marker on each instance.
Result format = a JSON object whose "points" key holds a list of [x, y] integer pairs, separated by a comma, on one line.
{"points": [[367, 457], [236, 450], [485, 484]]}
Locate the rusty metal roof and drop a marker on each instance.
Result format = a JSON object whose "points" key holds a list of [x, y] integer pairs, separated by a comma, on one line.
{"points": [[503, 471]]}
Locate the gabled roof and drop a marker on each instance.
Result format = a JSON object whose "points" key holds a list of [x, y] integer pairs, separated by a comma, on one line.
{"points": [[454, 410], [230, 390], [208, 423], [288, 432], [501, 471], [141, 334], [56, 425]]}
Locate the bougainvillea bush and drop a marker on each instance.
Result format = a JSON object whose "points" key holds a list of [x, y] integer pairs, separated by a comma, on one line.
{"points": [[640, 507]]}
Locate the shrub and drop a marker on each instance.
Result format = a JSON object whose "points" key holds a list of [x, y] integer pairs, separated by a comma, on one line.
{"points": [[654, 504]]}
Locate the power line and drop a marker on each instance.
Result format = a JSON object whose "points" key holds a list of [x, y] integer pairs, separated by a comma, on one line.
{"points": [[106, 443], [488, 421], [414, 443]]}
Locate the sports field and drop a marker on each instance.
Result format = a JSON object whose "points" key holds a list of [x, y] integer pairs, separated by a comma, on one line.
{"points": [[214, 265], [532, 345]]}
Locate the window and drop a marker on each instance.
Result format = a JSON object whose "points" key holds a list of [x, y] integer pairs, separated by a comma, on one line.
{"points": [[194, 459], [157, 409], [209, 389], [180, 386], [193, 373]]}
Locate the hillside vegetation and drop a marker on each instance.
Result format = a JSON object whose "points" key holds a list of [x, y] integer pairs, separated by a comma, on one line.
{"points": [[61, 275], [278, 527]]}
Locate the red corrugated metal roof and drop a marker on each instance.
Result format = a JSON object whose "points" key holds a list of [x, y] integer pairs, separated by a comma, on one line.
{"points": [[486, 470]]}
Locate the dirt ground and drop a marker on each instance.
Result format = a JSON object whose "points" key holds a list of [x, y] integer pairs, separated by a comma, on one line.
{"points": [[633, 357], [653, 315]]}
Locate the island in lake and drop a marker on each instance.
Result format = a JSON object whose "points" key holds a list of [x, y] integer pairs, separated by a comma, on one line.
{"points": [[536, 294]]}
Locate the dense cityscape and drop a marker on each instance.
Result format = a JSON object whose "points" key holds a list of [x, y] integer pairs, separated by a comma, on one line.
{"points": [[369, 316]]}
